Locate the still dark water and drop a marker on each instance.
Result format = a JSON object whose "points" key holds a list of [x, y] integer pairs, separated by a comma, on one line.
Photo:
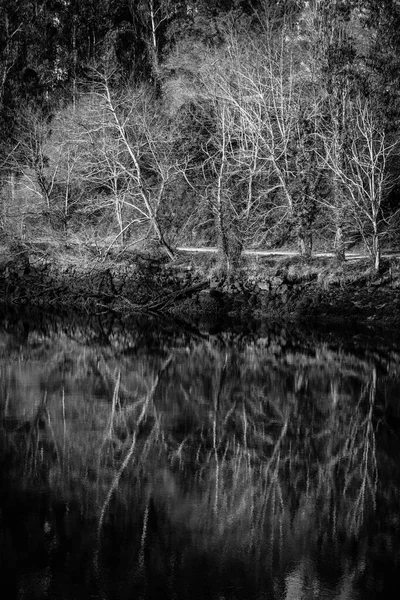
{"points": [[148, 459]]}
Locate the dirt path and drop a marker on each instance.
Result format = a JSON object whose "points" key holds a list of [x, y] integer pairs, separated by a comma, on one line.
{"points": [[349, 255]]}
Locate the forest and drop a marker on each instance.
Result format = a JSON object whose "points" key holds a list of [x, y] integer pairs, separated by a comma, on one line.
{"points": [[238, 124]]}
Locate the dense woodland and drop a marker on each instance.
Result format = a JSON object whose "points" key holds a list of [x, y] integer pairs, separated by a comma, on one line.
{"points": [[233, 123]]}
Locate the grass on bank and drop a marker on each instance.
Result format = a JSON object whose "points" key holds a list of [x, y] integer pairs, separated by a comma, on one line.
{"points": [[294, 269]]}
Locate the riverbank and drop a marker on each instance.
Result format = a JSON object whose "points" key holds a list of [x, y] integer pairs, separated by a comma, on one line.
{"points": [[193, 286]]}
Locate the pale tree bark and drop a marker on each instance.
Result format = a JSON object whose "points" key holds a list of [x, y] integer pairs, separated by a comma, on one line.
{"points": [[339, 244], [127, 121], [228, 241], [153, 16], [336, 138], [222, 234], [268, 96], [74, 59], [362, 171], [243, 170], [151, 206], [9, 52]]}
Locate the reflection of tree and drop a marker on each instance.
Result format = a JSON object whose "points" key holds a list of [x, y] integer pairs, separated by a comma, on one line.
{"points": [[144, 405], [361, 474], [283, 469], [255, 448], [37, 439]]}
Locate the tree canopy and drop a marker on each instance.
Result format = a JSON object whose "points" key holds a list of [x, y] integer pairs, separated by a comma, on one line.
{"points": [[265, 107]]}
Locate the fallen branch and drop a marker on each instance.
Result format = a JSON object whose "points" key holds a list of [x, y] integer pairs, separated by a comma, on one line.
{"points": [[169, 298]]}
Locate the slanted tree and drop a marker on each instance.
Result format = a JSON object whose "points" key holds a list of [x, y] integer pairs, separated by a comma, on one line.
{"points": [[141, 155]]}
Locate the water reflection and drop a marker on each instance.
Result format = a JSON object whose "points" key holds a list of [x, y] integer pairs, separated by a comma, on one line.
{"points": [[150, 459]]}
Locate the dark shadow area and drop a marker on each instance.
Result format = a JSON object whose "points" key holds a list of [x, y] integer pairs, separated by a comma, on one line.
{"points": [[153, 458]]}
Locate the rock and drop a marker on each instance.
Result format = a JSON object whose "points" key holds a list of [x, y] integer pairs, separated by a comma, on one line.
{"points": [[276, 281], [232, 289], [283, 290], [263, 286]]}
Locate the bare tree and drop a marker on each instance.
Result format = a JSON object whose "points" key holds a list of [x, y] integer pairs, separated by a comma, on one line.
{"points": [[47, 160], [231, 162], [9, 50], [360, 165], [133, 152], [30, 156], [243, 182], [154, 15], [336, 140], [273, 105], [100, 168]]}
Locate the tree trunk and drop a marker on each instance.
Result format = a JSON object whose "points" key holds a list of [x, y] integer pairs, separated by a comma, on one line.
{"points": [[161, 239], [167, 248], [74, 61], [339, 246], [304, 241], [222, 239], [228, 241], [376, 251], [118, 203]]}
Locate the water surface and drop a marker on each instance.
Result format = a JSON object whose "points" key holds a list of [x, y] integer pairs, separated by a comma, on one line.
{"points": [[152, 459]]}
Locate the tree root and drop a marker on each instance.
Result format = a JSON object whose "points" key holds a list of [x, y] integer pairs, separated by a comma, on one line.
{"points": [[169, 299]]}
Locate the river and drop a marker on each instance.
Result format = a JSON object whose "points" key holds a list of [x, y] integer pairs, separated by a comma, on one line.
{"points": [[148, 458]]}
